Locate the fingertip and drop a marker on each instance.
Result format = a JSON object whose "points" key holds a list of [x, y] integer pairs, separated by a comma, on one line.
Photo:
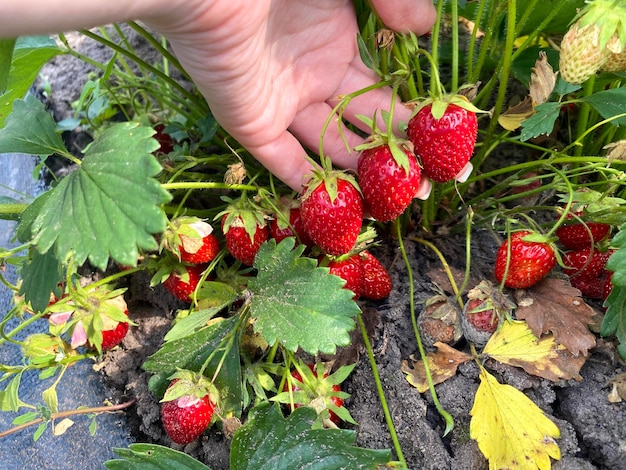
{"points": [[424, 189], [417, 16]]}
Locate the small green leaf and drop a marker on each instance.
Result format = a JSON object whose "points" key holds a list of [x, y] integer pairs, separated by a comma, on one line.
{"points": [[609, 103], [110, 206], [614, 321], [191, 352], [299, 304], [40, 430], [268, 440], [50, 398], [9, 397], [542, 122], [29, 55], [193, 322], [40, 275], [25, 418], [37, 137], [152, 457]]}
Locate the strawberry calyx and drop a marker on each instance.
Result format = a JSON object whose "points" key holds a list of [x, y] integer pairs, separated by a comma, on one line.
{"points": [[609, 16], [440, 104], [329, 178], [190, 386], [185, 233], [491, 299], [244, 213]]}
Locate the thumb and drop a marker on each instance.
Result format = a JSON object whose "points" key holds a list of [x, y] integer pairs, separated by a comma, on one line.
{"points": [[403, 16]]}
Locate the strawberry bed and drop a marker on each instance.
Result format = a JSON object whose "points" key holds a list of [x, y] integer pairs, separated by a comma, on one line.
{"points": [[545, 382]]}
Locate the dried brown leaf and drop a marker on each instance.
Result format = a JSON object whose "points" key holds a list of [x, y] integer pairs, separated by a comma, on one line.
{"points": [[512, 118], [443, 364], [542, 80], [554, 306]]}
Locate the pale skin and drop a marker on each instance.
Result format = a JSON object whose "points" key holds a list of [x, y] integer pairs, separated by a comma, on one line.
{"points": [[271, 71]]}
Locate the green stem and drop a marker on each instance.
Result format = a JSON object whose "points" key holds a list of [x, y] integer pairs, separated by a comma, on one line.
{"points": [[583, 117], [429, 378], [381, 392], [207, 185], [454, 85]]}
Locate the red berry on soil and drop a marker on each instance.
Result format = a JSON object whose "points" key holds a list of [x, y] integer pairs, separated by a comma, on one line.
{"points": [[529, 263], [185, 418], [387, 187], [575, 235], [485, 308], [183, 280], [239, 242], [333, 223], [592, 288], [376, 279], [351, 271], [444, 145]]}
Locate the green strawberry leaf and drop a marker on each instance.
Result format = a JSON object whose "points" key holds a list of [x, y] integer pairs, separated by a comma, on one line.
{"points": [[39, 137], [9, 397], [40, 275], [152, 457], [617, 261], [191, 352], [28, 56], [268, 440], [110, 206], [614, 321], [297, 303], [193, 322], [609, 104], [542, 122]]}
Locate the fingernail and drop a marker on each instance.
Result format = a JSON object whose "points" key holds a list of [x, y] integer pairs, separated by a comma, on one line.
{"points": [[424, 190], [465, 173]]}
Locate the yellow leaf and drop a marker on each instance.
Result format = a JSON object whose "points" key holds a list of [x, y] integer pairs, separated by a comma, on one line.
{"points": [[512, 432], [516, 345]]}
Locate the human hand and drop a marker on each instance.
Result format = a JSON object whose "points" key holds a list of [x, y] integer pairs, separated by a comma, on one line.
{"points": [[271, 72]]}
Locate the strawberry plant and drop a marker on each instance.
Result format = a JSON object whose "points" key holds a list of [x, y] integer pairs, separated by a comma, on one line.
{"points": [[507, 170]]}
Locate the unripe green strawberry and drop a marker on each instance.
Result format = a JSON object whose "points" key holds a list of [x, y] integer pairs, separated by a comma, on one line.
{"points": [[530, 261], [332, 212], [615, 62], [388, 188], [444, 142]]}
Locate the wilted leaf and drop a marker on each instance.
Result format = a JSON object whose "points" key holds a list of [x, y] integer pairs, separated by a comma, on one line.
{"points": [[616, 151], [513, 117], [298, 303], [512, 432], [516, 345], [554, 306], [618, 392], [443, 364], [542, 80], [62, 426]]}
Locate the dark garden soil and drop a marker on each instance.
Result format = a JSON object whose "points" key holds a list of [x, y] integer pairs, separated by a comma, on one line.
{"points": [[593, 430]]}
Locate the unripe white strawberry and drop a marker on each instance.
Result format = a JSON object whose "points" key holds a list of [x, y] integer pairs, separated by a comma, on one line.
{"points": [[581, 54], [599, 32], [616, 59]]}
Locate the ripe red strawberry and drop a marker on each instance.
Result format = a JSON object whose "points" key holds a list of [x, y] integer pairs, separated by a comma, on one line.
{"points": [[351, 271], [183, 280], [444, 142], [388, 185], [377, 283], [585, 263], [529, 263], [191, 239], [592, 288], [575, 235], [280, 230], [113, 337], [332, 211], [316, 388], [186, 417], [241, 243]]}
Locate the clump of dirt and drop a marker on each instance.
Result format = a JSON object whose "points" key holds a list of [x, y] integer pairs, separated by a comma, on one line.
{"points": [[592, 432]]}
